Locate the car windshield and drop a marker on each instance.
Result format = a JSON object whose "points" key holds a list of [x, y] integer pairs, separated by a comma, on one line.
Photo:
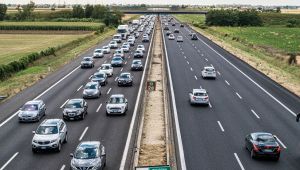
{"points": [[98, 51], [105, 47], [87, 59], [73, 104], [86, 153], [30, 107], [90, 86], [117, 59], [47, 130], [116, 100], [136, 62], [124, 46], [209, 69], [99, 76], [199, 94], [124, 76], [105, 67], [265, 138]]}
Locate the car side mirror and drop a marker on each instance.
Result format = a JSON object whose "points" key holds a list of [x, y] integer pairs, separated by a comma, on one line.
{"points": [[33, 132], [275, 137], [71, 155]]}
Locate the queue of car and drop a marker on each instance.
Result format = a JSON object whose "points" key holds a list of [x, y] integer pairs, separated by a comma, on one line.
{"points": [[52, 133]]}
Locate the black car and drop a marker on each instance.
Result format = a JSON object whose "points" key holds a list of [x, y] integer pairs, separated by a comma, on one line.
{"points": [[168, 33], [262, 144], [125, 79], [173, 24], [166, 28], [194, 37], [176, 31], [136, 65], [75, 109], [181, 25], [100, 77]]}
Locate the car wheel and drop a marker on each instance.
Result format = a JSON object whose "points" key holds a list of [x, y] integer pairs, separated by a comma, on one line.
{"points": [[253, 156], [66, 138], [277, 158], [246, 146], [107, 114], [83, 116], [34, 150], [58, 149]]}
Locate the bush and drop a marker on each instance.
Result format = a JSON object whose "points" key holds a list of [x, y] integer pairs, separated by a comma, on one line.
{"points": [[3, 9]]}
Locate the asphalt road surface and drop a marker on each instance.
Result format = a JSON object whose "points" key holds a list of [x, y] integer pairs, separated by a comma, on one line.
{"points": [[55, 90], [242, 100]]}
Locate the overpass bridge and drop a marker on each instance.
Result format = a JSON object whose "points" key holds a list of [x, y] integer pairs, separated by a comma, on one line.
{"points": [[161, 12]]}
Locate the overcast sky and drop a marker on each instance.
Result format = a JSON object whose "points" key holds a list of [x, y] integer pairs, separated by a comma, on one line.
{"points": [[188, 2]]}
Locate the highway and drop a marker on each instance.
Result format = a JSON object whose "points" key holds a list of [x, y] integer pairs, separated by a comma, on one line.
{"points": [[242, 100], [55, 90]]}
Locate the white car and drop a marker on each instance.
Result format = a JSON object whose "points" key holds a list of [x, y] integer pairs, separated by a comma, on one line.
{"points": [[117, 38], [209, 72], [199, 96], [171, 37], [108, 69], [141, 47], [98, 53], [50, 135], [179, 38], [119, 53], [130, 42], [125, 48], [106, 49], [113, 44], [117, 104], [131, 38]]}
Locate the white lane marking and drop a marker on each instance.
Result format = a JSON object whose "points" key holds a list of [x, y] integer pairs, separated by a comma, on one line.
{"points": [[83, 133], [99, 107], [206, 59], [64, 103], [79, 87], [219, 73], [193, 44], [227, 82], [99, 68], [105, 61], [196, 78], [51, 87], [178, 133], [90, 76], [211, 65], [238, 95], [239, 161], [130, 131], [125, 62], [128, 57], [62, 167], [255, 114], [121, 69], [202, 55], [108, 91], [210, 105], [187, 62], [191, 69], [13, 157], [281, 143], [220, 125], [181, 49], [116, 78], [254, 82], [182, 52], [198, 51]]}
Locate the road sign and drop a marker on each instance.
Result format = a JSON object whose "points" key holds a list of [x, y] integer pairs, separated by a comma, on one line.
{"points": [[162, 167], [151, 85]]}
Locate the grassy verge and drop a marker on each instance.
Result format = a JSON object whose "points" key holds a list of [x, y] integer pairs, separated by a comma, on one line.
{"points": [[250, 47], [39, 68]]}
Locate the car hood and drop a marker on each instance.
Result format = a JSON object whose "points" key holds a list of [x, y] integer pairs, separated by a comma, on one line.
{"points": [[115, 105], [136, 65], [86, 62], [116, 61], [39, 137], [85, 162], [70, 110], [124, 79], [89, 91], [28, 113], [97, 79]]}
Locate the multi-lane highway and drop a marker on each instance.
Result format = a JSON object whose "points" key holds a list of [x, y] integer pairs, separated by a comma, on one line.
{"points": [[242, 100], [55, 90]]}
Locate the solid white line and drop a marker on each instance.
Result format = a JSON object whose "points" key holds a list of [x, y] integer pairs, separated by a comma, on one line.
{"points": [[185, 57], [196, 78], [116, 78], [239, 161], [211, 65], [178, 133], [191, 69], [130, 131], [254, 82], [13, 157], [64, 103], [187, 62], [227, 82], [83, 133], [219, 73], [62, 167], [220, 125], [238, 95], [105, 61], [198, 51], [280, 142], [255, 114], [99, 108], [121, 69], [206, 59], [210, 105], [108, 91], [79, 88]]}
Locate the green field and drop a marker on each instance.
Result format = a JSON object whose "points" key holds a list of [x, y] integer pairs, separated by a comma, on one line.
{"points": [[89, 24], [191, 18], [15, 46]]}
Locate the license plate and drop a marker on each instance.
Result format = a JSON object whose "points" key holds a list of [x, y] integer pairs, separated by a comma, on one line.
{"points": [[268, 150], [43, 147], [71, 114]]}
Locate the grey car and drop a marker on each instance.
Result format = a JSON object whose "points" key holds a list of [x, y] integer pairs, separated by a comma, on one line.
{"points": [[89, 155], [100, 77], [136, 65], [138, 54], [75, 109], [32, 111], [117, 62], [125, 79], [92, 90], [87, 62]]}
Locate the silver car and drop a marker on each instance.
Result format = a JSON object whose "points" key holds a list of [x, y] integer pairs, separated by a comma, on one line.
{"points": [[50, 135], [108, 69], [113, 44], [106, 49], [199, 96], [32, 111], [179, 38], [87, 62], [89, 155], [117, 62], [209, 72], [117, 104], [171, 37], [98, 53], [100, 77], [91, 90]]}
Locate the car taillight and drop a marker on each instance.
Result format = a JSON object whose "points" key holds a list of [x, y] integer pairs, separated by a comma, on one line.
{"points": [[194, 98], [255, 148], [206, 97], [278, 149]]}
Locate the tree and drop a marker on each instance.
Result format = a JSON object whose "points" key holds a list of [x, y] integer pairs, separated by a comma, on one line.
{"points": [[88, 11], [278, 9], [26, 12], [99, 12], [78, 11], [3, 9]]}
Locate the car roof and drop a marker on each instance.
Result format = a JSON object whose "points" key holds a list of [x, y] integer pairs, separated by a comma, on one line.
{"points": [[106, 65], [99, 72], [117, 95], [51, 122], [89, 144], [125, 73], [208, 67], [261, 133], [75, 100], [87, 57], [199, 91], [136, 60], [92, 82], [34, 102]]}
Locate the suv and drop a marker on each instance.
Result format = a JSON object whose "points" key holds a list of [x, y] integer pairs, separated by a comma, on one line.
{"points": [[209, 72], [100, 77], [199, 96], [125, 79], [108, 69], [98, 53], [92, 90], [145, 38], [32, 111], [87, 62], [117, 38], [117, 104], [50, 135], [119, 53], [75, 109], [89, 155]]}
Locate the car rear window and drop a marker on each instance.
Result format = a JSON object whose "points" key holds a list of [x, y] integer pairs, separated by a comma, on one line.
{"points": [[199, 94]]}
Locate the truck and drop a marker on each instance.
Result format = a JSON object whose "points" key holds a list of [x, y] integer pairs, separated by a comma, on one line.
{"points": [[124, 31], [136, 22]]}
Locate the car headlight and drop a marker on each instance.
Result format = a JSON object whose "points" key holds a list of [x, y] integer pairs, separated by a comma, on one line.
{"points": [[52, 141], [34, 141], [65, 112], [78, 112], [84, 92]]}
